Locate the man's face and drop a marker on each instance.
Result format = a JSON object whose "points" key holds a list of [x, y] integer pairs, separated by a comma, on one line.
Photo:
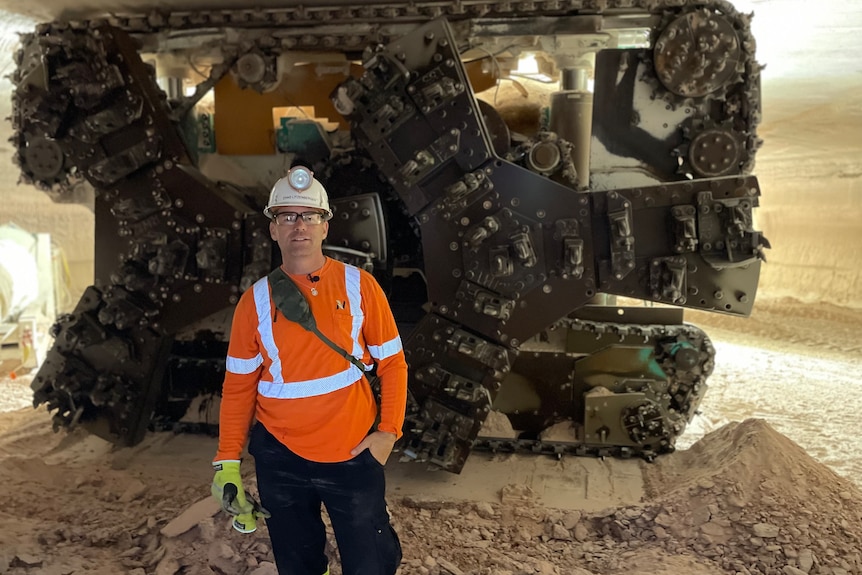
{"points": [[299, 239]]}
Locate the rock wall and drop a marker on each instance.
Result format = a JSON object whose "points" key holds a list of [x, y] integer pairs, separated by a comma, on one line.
{"points": [[72, 227], [810, 172]]}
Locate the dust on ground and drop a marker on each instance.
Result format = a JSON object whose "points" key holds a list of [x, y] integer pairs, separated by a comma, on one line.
{"points": [[743, 499]]}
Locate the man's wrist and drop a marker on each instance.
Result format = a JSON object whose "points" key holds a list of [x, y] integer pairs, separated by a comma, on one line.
{"points": [[389, 429]]}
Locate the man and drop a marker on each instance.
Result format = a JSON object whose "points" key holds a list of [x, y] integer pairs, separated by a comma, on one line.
{"points": [[311, 442]]}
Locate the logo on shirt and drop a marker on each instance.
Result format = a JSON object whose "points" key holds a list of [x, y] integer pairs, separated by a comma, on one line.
{"points": [[340, 304]]}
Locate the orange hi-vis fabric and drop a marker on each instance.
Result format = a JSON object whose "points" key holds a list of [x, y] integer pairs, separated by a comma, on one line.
{"points": [[313, 400]]}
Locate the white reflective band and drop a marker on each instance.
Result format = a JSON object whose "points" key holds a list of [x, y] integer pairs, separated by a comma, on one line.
{"points": [[243, 366], [311, 387], [388, 349], [264, 327], [354, 297]]}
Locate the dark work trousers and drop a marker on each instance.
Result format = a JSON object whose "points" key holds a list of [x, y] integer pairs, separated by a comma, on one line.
{"points": [[292, 489]]}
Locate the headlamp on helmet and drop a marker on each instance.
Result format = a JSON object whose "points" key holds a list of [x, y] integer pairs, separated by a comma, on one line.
{"points": [[299, 178]]}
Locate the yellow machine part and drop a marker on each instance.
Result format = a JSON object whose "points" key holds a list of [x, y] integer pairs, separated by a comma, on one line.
{"points": [[244, 119], [244, 122]]}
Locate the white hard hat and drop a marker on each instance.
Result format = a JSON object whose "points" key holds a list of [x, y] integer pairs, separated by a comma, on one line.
{"points": [[298, 188]]}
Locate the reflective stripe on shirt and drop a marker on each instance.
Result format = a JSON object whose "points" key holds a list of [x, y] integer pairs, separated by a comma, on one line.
{"points": [[243, 366], [311, 387], [388, 349], [264, 327], [354, 297]]}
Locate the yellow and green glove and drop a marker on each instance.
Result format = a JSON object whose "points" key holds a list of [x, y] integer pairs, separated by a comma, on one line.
{"points": [[228, 491]]}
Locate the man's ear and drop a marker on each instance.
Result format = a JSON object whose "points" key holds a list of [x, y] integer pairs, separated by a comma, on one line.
{"points": [[272, 233]]}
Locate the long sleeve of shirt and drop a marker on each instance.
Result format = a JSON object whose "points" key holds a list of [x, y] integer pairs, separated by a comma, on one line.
{"points": [[243, 369], [389, 355]]}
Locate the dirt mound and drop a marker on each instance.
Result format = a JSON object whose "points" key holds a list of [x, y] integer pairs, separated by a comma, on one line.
{"points": [[752, 458], [754, 501]]}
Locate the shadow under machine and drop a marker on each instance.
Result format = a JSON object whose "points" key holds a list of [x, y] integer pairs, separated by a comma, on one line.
{"points": [[505, 174]]}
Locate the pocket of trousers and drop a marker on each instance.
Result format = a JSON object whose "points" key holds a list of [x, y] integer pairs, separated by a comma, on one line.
{"points": [[370, 457], [388, 549]]}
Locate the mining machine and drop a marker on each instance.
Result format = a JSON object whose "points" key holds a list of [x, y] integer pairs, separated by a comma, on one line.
{"points": [[541, 188]]}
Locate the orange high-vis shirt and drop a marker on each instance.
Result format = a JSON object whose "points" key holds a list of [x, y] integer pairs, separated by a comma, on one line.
{"points": [[313, 400]]}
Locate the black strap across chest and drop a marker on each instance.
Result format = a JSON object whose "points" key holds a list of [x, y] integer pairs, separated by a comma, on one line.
{"points": [[293, 306]]}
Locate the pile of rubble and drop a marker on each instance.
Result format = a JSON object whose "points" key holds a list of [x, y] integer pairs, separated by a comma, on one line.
{"points": [[743, 500]]}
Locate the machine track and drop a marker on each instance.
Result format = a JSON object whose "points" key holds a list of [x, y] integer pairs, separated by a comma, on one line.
{"points": [[657, 402]]}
